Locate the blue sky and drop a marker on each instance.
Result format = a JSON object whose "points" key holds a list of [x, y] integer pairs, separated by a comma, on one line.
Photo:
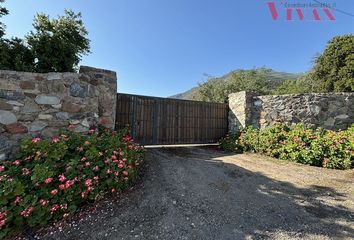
{"points": [[164, 47]]}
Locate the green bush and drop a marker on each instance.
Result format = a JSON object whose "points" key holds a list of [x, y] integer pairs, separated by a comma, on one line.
{"points": [[317, 147], [50, 179]]}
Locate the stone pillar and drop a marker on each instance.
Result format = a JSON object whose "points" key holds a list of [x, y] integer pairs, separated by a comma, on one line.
{"points": [[106, 82], [240, 114]]}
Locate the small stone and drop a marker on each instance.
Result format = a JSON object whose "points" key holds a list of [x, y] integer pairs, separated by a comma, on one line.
{"points": [[71, 107], [58, 106], [12, 95], [5, 106], [342, 116], [37, 126], [30, 107], [74, 122], [27, 117], [174, 202], [62, 115], [85, 123], [3, 156], [16, 128], [50, 132], [76, 90], [7, 117], [27, 85], [47, 100], [45, 116], [15, 103], [54, 76], [80, 129]]}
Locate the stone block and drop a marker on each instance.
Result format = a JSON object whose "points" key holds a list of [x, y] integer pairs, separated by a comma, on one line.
{"points": [[47, 100], [16, 128], [7, 117]]}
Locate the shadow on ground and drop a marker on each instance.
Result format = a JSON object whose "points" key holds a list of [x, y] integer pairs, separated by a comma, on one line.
{"points": [[185, 193]]}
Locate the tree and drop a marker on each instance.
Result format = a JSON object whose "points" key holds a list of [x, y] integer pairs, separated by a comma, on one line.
{"points": [[58, 44], [218, 89], [15, 55], [303, 84], [3, 12], [334, 68]]}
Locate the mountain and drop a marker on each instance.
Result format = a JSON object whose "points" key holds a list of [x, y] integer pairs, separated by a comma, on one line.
{"points": [[275, 77]]}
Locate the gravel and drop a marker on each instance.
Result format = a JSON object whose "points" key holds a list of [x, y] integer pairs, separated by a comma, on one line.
{"points": [[205, 193]]}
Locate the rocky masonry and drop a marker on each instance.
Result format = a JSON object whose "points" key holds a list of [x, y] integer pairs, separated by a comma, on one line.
{"points": [[33, 104], [333, 111]]}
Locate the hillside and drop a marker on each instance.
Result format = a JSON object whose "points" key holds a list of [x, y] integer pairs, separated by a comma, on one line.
{"points": [[274, 77]]}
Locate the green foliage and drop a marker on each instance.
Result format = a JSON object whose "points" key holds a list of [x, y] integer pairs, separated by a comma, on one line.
{"points": [[229, 143], [51, 179], [15, 55], [58, 44], [55, 45], [217, 90], [3, 12], [298, 144], [303, 84], [334, 68]]}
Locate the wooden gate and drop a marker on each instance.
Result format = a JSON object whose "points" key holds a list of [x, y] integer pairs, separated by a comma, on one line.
{"points": [[154, 120]]}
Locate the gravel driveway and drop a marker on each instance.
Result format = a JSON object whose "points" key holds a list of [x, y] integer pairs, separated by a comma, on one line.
{"points": [[204, 193]]}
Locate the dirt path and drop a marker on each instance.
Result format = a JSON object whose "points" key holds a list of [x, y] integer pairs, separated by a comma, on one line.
{"points": [[201, 193]]}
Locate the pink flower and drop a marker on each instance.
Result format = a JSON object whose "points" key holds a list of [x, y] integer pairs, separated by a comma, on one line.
{"points": [[3, 215], [16, 163], [88, 182], [55, 140], [121, 153], [114, 157], [18, 200], [48, 180], [29, 158], [96, 178], [87, 143], [54, 192], [109, 171], [116, 174], [2, 223], [62, 186], [100, 153], [69, 183], [26, 212], [89, 189], [2, 168], [120, 165], [83, 194], [35, 140], [62, 178], [91, 131], [113, 190], [25, 171], [125, 173], [96, 168], [71, 126], [83, 159], [87, 164], [43, 202], [54, 208]]}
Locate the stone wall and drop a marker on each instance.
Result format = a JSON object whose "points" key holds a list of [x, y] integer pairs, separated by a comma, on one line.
{"points": [[33, 104], [333, 111]]}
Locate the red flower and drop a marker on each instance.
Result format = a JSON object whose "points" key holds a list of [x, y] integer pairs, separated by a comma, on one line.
{"points": [[54, 192], [25, 171], [35, 140], [62, 186], [16, 163], [26, 212], [88, 182], [2, 168], [48, 180], [62, 178], [43, 202], [55, 140], [54, 208], [18, 200], [2, 223]]}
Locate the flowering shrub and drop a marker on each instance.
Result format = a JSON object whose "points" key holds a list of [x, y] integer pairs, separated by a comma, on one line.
{"points": [[317, 147], [50, 179]]}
